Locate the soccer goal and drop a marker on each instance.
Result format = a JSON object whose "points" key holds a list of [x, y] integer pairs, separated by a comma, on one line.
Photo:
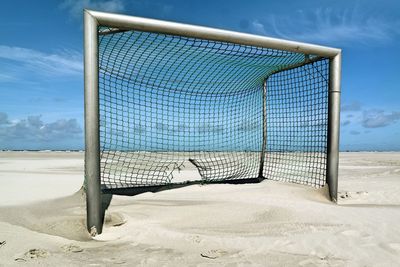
{"points": [[170, 104]]}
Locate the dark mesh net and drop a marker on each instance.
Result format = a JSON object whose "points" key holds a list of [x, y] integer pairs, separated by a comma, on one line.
{"points": [[297, 118], [176, 109]]}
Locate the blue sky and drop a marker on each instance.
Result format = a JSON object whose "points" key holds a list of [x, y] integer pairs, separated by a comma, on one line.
{"points": [[41, 81]]}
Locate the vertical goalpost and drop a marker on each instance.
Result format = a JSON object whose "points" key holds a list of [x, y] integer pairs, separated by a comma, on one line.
{"points": [[160, 96]]}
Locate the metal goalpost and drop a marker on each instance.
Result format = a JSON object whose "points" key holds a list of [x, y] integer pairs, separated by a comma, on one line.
{"points": [[282, 77]]}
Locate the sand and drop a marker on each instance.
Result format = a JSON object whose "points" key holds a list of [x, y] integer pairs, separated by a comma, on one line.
{"points": [[42, 219]]}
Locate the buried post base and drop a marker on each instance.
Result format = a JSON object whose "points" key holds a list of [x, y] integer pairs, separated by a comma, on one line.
{"points": [[93, 231]]}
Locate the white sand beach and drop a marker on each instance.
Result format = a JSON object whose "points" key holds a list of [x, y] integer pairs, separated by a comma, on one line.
{"points": [[42, 219]]}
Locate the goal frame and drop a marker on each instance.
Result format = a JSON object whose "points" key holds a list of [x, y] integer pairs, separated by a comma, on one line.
{"points": [[118, 23]]}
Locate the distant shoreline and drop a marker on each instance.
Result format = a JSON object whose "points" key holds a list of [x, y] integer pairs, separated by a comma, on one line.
{"points": [[79, 150], [44, 150]]}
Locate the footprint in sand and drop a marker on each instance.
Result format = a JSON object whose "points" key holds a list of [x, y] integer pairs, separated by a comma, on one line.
{"points": [[214, 254], [34, 253], [347, 194], [72, 248], [114, 219], [194, 239]]}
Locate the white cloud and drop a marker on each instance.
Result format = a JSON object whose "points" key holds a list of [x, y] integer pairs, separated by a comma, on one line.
{"points": [[66, 62], [379, 118], [34, 129], [329, 26], [75, 7], [258, 27]]}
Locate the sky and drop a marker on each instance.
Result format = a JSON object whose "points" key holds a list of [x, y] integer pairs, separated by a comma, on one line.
{"points": [[41, 68]]}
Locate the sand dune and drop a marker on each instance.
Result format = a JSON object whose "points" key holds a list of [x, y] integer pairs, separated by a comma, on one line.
{"points": [[42, 219]]}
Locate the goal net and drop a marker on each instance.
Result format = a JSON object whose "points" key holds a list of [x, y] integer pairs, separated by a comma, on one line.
{"points": [[176, 109]]}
